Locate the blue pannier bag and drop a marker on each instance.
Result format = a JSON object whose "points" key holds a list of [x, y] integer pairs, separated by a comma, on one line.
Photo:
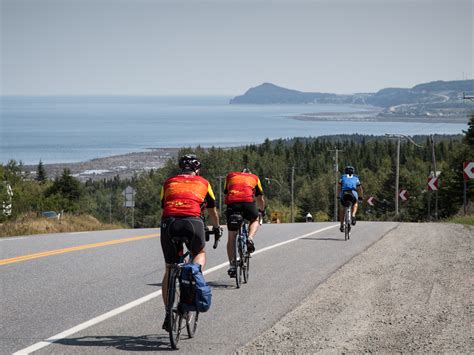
{"points": [[195, 294]]}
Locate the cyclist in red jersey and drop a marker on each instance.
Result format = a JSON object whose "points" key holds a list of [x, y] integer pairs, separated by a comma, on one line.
{"points": [[183, 197], [243, 193]]}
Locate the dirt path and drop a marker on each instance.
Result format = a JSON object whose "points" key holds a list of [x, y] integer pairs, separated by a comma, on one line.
{"points": [[410, 292]]}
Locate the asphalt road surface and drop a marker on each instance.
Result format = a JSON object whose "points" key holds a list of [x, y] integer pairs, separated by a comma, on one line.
{"points": [[98, 292]]}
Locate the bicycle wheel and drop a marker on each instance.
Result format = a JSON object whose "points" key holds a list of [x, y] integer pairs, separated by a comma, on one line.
{"points": [[347, 223], [192, 323], [175, 316], [238, 261], [246, 266]]}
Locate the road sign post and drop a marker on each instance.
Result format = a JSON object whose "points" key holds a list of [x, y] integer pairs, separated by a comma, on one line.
{"points": [[468, 172], [371, 201], [129, 202]]}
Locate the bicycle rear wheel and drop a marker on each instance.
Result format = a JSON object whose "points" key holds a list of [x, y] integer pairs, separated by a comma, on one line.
{"points": [[246, 266], [192, 323], [238, 261], [175, 324], [347, 223]]}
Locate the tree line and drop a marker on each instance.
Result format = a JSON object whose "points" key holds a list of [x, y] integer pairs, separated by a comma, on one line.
{"points": [[301, 170]]}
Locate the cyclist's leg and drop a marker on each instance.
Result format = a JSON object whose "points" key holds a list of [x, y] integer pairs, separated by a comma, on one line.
{"points": [[231, 235], [230, 245], [355, 205], [341, 214], [194, 228], [169, 252], [250, 213]]}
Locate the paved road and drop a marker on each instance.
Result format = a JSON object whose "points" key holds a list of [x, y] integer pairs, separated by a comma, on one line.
{"points": [[93, 273]]}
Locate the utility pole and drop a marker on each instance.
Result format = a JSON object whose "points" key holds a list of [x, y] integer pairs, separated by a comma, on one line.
{"points": [[397, 171], [292, 192], [220, 193], [434, 173], [336, 178], [110, 208]]}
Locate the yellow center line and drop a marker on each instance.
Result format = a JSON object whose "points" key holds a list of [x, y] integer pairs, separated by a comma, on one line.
{"points": [[79, 247]]}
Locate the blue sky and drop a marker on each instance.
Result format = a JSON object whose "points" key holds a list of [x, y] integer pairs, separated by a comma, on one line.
{"points": [[146, 47]]}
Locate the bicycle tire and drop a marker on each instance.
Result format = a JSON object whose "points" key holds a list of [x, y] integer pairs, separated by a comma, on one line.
{"points": [[192, 323], [246, 267], [238, 266], [175, 316], [347, 223]]}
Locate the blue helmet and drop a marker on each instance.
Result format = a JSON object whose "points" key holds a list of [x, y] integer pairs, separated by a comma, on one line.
{"points": [[349, 170]]}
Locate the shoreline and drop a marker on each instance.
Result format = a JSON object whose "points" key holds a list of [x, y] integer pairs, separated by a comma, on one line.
{"points": [[363, 117], [124, 165]]}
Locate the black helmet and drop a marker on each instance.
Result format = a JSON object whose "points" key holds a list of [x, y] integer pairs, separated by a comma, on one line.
{"points": [[349, 170], [246, 170], [189, 162]]}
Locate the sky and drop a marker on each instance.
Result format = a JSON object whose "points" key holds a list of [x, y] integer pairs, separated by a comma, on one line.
{"points": [[224, 47]]}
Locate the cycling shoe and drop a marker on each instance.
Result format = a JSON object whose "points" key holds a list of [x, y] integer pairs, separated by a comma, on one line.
{"points": [[166, 323], [341, 228], [250, 246], [232, 271], [353, 221]]}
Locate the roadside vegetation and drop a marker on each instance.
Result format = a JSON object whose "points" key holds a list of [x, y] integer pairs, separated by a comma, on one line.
{"points": [[32, 224], [467, 220], [273, 161]]}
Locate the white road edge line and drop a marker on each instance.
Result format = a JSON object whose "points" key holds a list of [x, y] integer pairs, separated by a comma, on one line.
{"points": [[13, 238], [139, 301]]}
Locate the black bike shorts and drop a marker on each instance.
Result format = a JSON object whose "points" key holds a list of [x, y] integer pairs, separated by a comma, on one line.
{"points": [[248, 210], [348, 196], [191, 227]]}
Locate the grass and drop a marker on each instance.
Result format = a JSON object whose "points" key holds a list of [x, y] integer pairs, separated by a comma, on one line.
{"points": [[466, 220], [31, 224]]}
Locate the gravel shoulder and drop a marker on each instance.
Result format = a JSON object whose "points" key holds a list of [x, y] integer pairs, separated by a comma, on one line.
{"points": [[410, 292]]}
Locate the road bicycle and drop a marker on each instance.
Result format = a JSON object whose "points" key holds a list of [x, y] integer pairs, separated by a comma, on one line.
{"points": [[179, 317], [347, 201], [241, 253]]}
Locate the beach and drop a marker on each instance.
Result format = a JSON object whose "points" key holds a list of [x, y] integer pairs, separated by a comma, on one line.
{"points": [[125, 165]]}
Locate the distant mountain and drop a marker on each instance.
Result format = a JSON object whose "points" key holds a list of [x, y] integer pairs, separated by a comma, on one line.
{"points": [[439, 93], [268, 93]]}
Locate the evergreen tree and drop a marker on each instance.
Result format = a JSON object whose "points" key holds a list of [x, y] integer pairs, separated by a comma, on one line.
{"points": [[41, 172], [469, 138]]}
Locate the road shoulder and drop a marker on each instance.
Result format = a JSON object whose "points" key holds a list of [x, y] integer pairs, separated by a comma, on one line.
{"points": [[410, 292]]}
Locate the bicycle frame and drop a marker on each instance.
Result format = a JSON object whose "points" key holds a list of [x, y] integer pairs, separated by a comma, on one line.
{"points": [[176, 314], [241, 255]]}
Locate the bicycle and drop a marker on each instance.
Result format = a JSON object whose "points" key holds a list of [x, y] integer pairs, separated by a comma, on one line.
{"points": [[177, 313], [242, 256], [348, 200]]}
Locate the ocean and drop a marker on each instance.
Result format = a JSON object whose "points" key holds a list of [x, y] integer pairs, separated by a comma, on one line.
{"points": [[78, 128]]}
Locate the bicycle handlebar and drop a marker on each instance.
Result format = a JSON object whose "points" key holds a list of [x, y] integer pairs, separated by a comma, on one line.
{"points": [[217, 235]]}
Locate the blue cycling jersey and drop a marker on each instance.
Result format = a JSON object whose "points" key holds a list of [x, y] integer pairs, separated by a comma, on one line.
{"points": [[349, 182]]}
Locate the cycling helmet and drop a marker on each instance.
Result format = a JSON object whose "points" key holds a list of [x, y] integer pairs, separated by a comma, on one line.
{"points": [[189, 162], [246, 170], [349, 170]]}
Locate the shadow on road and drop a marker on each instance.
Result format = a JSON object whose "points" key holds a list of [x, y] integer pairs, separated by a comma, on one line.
{"points": [[334, 239], [157, 284], [125, 343], [214, 284]]}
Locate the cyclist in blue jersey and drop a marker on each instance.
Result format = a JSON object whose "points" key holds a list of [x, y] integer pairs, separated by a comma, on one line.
{"points": [[349, 184]]}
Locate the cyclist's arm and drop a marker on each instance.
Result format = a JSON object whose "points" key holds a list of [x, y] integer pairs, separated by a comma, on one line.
{"points": [[162, 195], [261, 202], [213, 216], [211, 207], [360, 190]]}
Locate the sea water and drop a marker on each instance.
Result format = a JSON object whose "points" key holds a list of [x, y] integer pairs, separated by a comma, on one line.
{"points": [[78, 128]]}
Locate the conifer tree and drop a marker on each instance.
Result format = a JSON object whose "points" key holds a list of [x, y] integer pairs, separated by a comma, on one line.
{"points": [[41, 172]]}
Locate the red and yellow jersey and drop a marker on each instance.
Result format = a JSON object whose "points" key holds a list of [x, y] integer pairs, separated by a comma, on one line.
{"points": [[185, 195], [242, 187]]}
